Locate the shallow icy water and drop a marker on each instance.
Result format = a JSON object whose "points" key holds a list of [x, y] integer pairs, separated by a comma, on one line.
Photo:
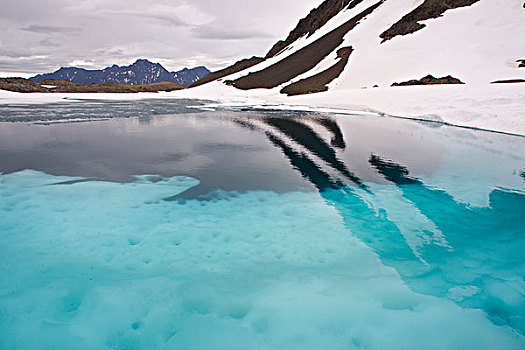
{"points": [[249, 230]]}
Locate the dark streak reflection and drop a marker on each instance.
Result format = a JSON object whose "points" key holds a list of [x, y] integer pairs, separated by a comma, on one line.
{"points": [[338, 139], [307, 137], [299, 161], [308, 169], [435, 269], [392, 172]]}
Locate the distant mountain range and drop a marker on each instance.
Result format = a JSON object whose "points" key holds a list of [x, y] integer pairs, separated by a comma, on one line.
{"points": [[139, 73]]}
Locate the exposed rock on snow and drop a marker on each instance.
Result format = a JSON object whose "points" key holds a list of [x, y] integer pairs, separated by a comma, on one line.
{"points": [[317, 18], [302, 60], [427, 10], [431, 80], [319, 82], [465, 40], [508, 81]]}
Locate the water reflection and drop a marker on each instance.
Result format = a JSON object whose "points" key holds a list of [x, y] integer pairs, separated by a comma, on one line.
{"points": [[480, 270], [338, 139], [305, 137], [308, 168], [439, 246], [308, 138]]}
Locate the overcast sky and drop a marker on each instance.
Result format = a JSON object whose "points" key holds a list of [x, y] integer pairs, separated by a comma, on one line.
{"points": [[40, 36]]}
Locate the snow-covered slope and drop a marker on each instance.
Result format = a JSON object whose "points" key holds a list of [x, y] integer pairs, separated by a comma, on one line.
{"points": [[477, 43]]}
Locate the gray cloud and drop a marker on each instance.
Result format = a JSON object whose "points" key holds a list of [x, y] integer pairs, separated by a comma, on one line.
{"points": [[217, 32], [177, 33], [167, 19], [23, 64], [49, 42], [170, 20], [15, 53], [35, 28], [109, 51]]}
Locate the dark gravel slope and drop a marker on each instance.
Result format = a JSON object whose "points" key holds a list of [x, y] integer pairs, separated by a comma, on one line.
{"points": [[429, 9], [319, 82], [301, 61], [317, 18]]}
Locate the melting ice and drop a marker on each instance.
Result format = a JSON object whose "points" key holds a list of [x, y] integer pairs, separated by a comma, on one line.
{"points": [[370, 252]]}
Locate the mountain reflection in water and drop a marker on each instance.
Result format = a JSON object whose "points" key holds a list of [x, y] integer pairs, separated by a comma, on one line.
{"points": [[439, 246]]}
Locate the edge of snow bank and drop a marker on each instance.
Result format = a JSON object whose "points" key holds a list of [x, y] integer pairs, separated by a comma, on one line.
{"points": [[497, 108]]}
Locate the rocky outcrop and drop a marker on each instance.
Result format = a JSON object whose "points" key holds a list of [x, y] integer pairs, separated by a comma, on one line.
{"points": [[234, 68], [319, 82], [508, 81], [521, 62], [431, 80], [429, 9], [21, 85], [317, 18]]}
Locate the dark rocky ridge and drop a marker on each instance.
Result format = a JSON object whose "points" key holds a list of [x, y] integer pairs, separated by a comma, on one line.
{"points": [[306, 26], [319, 82], [234, 68], [431, 80], [141, 72], [521, 62], [508, 81], [66, 86], [317, 18], [301, 61], [427, 10]]}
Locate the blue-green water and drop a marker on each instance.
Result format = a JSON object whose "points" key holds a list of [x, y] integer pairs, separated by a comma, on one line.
{"points": [[246, 230]]}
